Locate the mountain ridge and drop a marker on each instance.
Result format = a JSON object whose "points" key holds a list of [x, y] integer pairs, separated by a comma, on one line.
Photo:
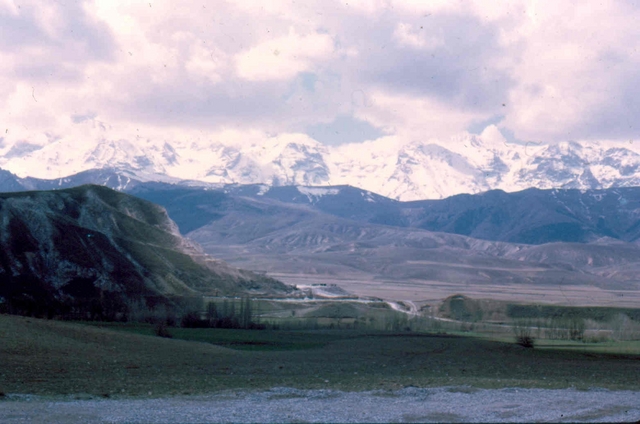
{"points": [[418, 170], [531, 216]]}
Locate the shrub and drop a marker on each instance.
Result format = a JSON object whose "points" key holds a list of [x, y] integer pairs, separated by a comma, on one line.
{"points": [[161, 330], [576, 329], [193, 320], [597, 336], [523, 331], [525, 341]]}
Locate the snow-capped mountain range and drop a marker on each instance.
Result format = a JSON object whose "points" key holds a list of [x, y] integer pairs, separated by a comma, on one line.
{"points": [[430, 169]]}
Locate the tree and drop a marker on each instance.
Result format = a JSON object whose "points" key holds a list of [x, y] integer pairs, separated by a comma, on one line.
{"points": [[246, 313], [212, 313], [576, 329], [523, 332]]}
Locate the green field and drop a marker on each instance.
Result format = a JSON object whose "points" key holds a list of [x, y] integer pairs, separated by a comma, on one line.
{"points": [[282, 340], [252, 340], [52, 357]]}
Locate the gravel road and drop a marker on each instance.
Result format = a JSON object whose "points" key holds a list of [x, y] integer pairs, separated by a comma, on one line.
{"points": [[449, 404]]}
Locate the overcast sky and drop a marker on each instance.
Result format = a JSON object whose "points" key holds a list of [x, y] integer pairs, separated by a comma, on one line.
{"points": [[338, 71]]}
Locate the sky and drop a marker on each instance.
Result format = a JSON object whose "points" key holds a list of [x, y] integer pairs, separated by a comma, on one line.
{"points": [[337, 71]]}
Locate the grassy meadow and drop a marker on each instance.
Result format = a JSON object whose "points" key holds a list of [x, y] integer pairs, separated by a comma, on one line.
{"points": [[342, 345]]}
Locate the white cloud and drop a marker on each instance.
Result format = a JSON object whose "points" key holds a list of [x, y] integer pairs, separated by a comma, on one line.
{"points": [[283, 57], [206, 63], [414, 118], [575, 65], [414, 69], [408, 35], [9, 7], [424, 7]]}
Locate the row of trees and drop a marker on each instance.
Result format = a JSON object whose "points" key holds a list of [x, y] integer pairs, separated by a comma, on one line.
{"points": [[230, 313], [79, 299], [527, 330], [192, 313]]}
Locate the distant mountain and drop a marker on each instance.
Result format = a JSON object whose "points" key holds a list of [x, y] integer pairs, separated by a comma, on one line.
{"points": [[336, 232], [344, 232], [423, 169], [73, 247], [530, 216], [534, 216]]}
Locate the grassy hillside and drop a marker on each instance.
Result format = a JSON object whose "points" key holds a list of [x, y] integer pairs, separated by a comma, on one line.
{"points": [[90, 250]]}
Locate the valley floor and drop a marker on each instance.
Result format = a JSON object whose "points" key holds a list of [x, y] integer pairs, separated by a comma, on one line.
{"points": [[75, 372], [434, 291]]}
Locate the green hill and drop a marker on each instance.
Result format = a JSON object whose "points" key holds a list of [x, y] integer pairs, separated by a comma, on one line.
{"points": [[91, 250]]}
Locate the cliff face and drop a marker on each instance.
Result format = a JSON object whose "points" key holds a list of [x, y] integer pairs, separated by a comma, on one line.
{"points": [[77, 245]]}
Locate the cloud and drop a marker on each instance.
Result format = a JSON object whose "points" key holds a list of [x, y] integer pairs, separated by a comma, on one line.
{"points": [[576, 77], [411, 36], [413, 117], [50, 41], [284, 57], [550, 71]]}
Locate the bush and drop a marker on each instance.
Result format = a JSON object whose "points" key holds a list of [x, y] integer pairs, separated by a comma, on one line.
{"points": [[576, 329], [597, 336], [525, 341], [161, 330], [523, 331], [193, 320]]}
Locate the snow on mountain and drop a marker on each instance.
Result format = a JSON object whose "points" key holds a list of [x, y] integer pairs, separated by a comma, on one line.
{"points": [[420, 169], [313, 193]]}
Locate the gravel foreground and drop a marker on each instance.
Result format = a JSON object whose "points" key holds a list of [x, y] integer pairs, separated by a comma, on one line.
{"points": [[444, 404]]}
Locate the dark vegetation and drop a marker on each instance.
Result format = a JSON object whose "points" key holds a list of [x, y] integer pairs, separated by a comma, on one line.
{"points": [[230, 313], [553, 322], [79, 299], [523, 331], [161, 330]]}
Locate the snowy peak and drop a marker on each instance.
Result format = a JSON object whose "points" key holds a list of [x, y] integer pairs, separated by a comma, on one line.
{"points": [[422, 169], [301, 164], [432, 170]]}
